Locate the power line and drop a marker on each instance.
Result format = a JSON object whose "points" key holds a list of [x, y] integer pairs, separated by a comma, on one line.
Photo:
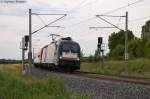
{"points": [[139, 19], [100, 27], [109, 15], [81, 22], [146, 3], [41, 19], [45, 23], [111, 11], [114, 10], [88, 3], [130, 21], [46, 14], [80, 8], [49, 24], [109, 22], [82, 2], [118, 22]]}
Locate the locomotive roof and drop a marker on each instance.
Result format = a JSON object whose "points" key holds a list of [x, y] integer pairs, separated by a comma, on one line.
{"points": [[65, 39]]}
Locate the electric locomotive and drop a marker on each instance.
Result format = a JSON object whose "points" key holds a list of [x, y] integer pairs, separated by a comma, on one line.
{"points": [[62, 54]]}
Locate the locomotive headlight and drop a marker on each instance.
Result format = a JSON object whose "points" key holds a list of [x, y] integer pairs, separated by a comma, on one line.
{"points": [[78, 59], [60, 57]]}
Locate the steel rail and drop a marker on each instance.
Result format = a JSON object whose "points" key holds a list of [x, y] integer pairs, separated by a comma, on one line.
{"points": [[108, 77], [117, 78]]}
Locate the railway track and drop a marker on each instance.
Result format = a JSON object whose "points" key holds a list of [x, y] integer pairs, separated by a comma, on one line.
{"points": [[109, 77], [97, 86]]}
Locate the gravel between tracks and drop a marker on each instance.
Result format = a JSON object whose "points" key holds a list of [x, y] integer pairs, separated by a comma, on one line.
{"points": [[98, 89]]}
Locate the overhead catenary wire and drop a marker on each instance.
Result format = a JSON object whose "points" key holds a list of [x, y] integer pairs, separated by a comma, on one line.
{"points": [[75, 24], [82, 6], [41, 19], [109, 22], [122, 7], [137, 19], [134, 20], [82, 2], [111, 11], [77, 8], [130, 21], [118, 22], [146, 3], [49, 23], [82, 21]]}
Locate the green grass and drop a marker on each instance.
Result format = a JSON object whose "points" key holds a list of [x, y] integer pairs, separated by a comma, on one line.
{"points": [[136, 67], [14, 86]]}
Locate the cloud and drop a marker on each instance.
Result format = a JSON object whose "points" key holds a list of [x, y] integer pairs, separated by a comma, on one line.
{"points": [[14, 22], [12, 28]]}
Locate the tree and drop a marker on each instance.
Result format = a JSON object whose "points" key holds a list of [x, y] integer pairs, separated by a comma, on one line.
{"points": [[146, 31], [118, 51], [136, 48], [147, 49], [118, 38]]}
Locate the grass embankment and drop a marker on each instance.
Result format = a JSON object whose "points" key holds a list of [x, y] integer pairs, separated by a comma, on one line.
{"points": [[14, 86], [136, 67]]}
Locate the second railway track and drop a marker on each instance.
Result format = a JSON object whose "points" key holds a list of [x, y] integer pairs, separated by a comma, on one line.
{"points": [[114, 78]]}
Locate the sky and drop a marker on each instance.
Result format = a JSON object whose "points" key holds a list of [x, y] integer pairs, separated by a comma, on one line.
{"points": [[81, 14]]}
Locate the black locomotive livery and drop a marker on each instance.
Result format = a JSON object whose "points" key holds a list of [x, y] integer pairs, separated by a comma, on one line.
{"points": [[63, 54]]}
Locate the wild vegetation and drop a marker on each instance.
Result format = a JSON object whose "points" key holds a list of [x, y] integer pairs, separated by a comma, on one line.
{"points": [[137, 67], [138, 47], [14, 86], [138, 52]]}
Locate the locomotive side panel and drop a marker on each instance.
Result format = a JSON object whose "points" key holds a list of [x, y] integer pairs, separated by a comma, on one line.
{"points": [[37, 57], [44, 52], [50, 54]]}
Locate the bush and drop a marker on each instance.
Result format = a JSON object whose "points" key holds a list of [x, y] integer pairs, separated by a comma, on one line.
{"points": [[118, 52], [147, 49], [136, 48], [138, 67]]}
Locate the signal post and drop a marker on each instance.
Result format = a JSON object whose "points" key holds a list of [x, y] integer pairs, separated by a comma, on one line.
{"points": [[24, 47], [99, 45]]}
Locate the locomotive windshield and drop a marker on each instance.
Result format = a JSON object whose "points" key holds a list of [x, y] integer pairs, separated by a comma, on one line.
{"points": [[70, 46]]}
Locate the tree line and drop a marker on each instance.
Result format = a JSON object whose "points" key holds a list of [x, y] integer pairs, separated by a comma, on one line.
{"points": [[137, 47], [11, 61]]}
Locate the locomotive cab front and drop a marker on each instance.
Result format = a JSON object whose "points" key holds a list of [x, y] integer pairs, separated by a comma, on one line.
{"points": [[69, 55]]}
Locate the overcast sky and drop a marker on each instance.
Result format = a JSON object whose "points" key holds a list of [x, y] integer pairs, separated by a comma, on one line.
{"points": [[80, 16]]}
